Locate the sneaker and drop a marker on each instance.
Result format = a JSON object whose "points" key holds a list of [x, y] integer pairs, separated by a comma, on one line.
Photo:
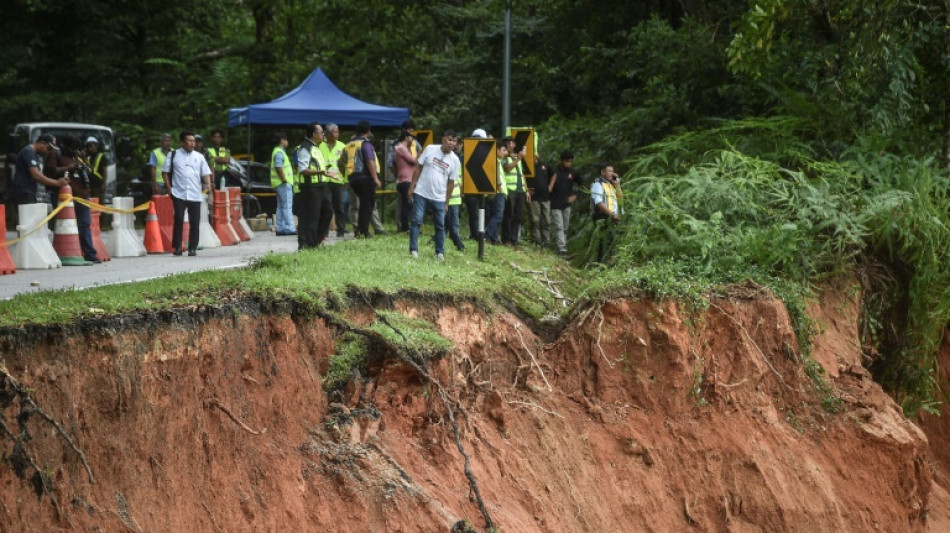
{"points": [[177, 252], [439, 257], [414, 253], [95, 260], [192, 253]]}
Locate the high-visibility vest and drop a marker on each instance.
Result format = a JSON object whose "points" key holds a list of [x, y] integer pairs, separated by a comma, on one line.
{"points": [[501, 187], [218, 152], [610, 198], [331, 156], [317, 162], [456, 198], [159, 164], [94, 162], [287, 166], [513, 178]]}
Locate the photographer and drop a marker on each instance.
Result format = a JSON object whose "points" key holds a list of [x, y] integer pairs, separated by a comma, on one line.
{"points": [[68, 162]]}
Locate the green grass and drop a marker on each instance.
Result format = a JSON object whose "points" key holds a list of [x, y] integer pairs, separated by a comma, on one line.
{"points": [[381, 265]]}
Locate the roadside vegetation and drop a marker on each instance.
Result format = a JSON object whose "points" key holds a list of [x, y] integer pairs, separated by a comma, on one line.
{"points": [[756, 201]]}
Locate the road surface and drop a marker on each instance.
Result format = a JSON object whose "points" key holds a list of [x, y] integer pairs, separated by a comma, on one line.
{"points": [[128, 269]]}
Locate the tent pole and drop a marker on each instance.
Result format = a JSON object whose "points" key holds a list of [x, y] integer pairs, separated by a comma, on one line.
{"points": [[248, 144]]}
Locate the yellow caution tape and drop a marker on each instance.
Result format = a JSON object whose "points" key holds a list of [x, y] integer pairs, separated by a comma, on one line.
{"points": [[64, 201]]}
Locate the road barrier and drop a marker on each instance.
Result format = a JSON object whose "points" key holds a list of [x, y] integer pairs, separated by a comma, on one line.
{"points": [[125, 242], [222, 219], [206, 235], [7, 266], [33, 249], [66, 231], [234, 197]]}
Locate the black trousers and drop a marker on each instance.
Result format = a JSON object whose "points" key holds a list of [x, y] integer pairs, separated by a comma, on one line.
{"points": [[194, 221], [314, 215], [336, 199], [365, 190], [514, 213]]}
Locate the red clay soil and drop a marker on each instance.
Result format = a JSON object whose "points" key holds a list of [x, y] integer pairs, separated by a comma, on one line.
{"points": [[638, 417]]}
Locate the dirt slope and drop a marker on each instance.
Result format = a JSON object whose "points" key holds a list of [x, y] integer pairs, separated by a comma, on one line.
{"points": [[638, 417]]}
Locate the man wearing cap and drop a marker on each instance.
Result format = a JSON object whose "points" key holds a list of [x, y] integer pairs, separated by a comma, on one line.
{"points": [[27, 172], [561, 188], [156, 162], [184, 171], [94, 161]]}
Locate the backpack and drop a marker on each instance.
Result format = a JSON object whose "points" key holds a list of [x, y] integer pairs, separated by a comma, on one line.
{"points": [[352, 157]]}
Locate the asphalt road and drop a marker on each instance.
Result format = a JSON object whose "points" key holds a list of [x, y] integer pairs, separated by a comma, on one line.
{"points": [[129, 269]]}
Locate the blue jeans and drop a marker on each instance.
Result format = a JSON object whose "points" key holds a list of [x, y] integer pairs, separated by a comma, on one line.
{"points": [[83, 222], [452, 226], [496, 211], [285, 208], [420, 205]]}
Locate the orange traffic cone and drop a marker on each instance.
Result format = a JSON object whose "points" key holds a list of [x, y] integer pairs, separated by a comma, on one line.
{"points": [[6, 260], [153, 235], [66, 232], [102, 251]]}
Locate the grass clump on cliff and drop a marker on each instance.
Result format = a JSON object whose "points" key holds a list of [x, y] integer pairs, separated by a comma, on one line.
{"points": [[380, 266], [767, 201]]}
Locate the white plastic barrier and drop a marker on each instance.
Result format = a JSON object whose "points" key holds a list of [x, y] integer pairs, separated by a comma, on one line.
{"points": [[35, 251], [207, 238], [124, 242]]}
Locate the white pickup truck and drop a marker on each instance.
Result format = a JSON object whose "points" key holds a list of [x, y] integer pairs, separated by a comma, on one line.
{"points": [[27, 133]]}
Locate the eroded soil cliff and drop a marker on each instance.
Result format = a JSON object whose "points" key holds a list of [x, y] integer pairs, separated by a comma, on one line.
{"points": [[637, 417]]}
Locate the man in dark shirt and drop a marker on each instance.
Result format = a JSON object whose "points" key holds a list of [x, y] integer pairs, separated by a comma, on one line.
{"points": [[563, 195], [365, 178], [27, 172], [540, 200]]}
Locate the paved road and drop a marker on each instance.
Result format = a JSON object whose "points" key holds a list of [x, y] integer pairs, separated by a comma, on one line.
{"points": [[123, 270]]}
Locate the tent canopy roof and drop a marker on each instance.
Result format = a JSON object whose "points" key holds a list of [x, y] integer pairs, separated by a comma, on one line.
{"points": [[317, 99]]}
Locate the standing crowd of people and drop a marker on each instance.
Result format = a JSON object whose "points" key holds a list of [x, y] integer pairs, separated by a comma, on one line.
{"points": [[316, 178]]}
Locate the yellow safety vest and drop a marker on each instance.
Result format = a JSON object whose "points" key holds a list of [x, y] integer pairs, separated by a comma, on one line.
{"points": [[501, 187], [513, 178], [219, 152], [331, 156], [159, 164], [456, 198], [287, 166], [317, 162], [94, 162]]}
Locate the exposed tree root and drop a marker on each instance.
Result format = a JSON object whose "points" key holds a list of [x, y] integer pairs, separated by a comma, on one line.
{"points": [[217, 403], [474, 492], [533, 359], [21, 458], [547, 281], [754, 345]]}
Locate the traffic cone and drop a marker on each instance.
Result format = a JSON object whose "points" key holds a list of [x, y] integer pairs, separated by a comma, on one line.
{"points": [[153, 235], [7, 265], [102, 251], [66, 232]]}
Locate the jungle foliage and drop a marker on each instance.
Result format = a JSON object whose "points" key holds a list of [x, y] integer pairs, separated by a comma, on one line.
{"points": [[778, 140]]}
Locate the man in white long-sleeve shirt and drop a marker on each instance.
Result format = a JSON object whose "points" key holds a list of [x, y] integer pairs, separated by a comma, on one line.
{"points": [[185, 171]]}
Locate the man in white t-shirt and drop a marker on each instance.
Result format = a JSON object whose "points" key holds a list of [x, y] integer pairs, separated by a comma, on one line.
{"points": [[184, 171], [432, 184]]}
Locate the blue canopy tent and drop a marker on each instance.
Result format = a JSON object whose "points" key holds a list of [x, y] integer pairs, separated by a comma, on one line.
{"points": [[317, 99]]}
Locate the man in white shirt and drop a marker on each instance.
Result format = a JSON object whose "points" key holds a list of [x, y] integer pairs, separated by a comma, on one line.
{"points": [[432, 184], [184, 171]]}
